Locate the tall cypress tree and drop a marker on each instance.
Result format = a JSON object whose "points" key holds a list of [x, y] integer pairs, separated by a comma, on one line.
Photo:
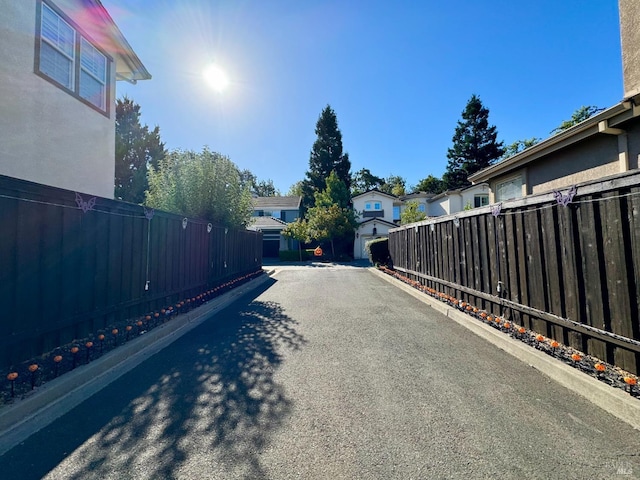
{"points": [[474, 146], [137, 147], [326, 156]]}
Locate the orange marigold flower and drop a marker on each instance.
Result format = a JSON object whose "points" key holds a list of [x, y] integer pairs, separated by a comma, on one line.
{"points": [[539, 338], [599, 367], [114, 331], [88, 344], [576, 357], [57, 358], [33, 367], [101, 337], [521, 330], [554, 344], [74, 349], [630, 381], [507, 325], [12, 376]]}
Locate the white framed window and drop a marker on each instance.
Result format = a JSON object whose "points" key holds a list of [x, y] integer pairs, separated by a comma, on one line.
{"points": [[377, 206], [67, 58], [422, 208], [509, 189], [396, 213], [367, 206], [480, 201]]}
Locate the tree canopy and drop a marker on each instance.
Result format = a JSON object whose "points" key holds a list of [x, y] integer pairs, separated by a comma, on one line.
{"points": [[200, 184], [412, 213], [394, 185], [326, 156], [580, 115], [518, 146], [430, 184], [363, 180], [137, 148], [475, 145]]}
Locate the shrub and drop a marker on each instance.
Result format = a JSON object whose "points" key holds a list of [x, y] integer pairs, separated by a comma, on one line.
{"points": [[378, 251], [294, 255]]}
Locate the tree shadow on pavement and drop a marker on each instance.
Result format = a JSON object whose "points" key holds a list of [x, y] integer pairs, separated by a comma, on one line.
{"points": [[204, 407]]}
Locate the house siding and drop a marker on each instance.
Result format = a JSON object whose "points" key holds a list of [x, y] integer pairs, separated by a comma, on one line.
{"points": [[588, 160], [47, 135]]}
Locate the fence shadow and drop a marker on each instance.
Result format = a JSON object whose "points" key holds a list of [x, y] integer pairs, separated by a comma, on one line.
{"points": [[209, 399]]}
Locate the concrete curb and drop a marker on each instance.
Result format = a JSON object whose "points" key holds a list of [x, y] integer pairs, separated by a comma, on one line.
{"points": [[610, 399], [57, 397]]}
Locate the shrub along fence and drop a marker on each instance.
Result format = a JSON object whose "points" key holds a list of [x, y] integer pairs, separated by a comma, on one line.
{"points": [[565, 264], [71, 264]]}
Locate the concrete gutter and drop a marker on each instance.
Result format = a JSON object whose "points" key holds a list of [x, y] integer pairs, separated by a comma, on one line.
{"points": [[613, 400], [57, 397]]}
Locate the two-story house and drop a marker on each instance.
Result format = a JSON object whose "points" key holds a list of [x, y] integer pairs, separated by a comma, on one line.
{"points": [[375, 211], [59, 62], [270, 216]]}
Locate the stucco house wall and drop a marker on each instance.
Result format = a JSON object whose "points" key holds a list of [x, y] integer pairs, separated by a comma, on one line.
{"points": [[47, 135]]}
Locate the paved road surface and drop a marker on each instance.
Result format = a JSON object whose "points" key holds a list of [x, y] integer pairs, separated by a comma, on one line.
{"points": [[330, 372]]}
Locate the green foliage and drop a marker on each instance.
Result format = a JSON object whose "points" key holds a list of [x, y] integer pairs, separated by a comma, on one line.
{"points": [[430, 184], [580, 115], [394, 185], [474, 146], [363, 181], [518, 146], [296, 190], [293, 256], [326, 156], [298, 230], [260, 188], [411, 214], [137, 148], [203, 185], [378, 251], [336, 192], [329, 223]]}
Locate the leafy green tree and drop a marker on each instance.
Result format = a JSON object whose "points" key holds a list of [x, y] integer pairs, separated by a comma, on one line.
{"points": [[137, 148], [394, 185], [518, 146], [412, 213], [298, 230], [330, 223], [265, 188], [430, 184], [580, 115], [474, 146], [331, 218], [296, 190], [326, 156], [363, 180], [204, 185]]}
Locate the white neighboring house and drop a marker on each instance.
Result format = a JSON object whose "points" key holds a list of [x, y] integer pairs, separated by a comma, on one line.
{"points": [[375, 212], [453, 201], [59, 63]]}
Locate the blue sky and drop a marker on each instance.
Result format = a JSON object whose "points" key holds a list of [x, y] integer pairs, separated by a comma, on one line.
{"points": [[397, 74]]}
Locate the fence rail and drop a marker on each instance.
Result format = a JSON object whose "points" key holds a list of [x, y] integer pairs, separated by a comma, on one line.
{"points": [[565, 265], [71, 264]]}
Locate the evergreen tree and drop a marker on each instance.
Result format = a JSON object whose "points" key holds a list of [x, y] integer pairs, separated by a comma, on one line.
{"points": [[474, 146], [137, 148], [326, 156], [363, 180]]}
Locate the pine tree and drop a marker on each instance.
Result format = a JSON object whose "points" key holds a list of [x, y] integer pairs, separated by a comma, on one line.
{"points": [[326, 156], [137, 148], [474, 146]]}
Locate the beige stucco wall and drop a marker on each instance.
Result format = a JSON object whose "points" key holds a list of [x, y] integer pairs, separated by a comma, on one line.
{"points": [[46, 135], [630, 38]]}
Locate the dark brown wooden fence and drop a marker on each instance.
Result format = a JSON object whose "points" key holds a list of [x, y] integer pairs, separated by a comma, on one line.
{"points": [[571, 273], [71, 265]]}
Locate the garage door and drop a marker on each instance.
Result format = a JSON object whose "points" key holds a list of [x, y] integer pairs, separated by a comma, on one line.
{"points": [[270, 248]]}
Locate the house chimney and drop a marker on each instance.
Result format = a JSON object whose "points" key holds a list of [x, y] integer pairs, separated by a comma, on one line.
{"points": [[630, 41]]}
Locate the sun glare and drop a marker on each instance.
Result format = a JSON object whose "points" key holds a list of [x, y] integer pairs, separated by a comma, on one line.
{"points": [[215, 77]]}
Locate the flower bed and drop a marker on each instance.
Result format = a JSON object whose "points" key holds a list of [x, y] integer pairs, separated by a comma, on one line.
{"points": [[605, 372], [22, 379]]}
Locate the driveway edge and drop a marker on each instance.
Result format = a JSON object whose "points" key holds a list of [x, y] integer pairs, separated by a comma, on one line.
{"points": [[612, 400], [58, 396]]}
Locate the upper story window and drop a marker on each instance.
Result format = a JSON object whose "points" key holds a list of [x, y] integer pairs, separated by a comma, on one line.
{"points": [[367, 206], [422, 208], [69, 60], [377, 206], [396, 213], [480, 201], [509, 189]]}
